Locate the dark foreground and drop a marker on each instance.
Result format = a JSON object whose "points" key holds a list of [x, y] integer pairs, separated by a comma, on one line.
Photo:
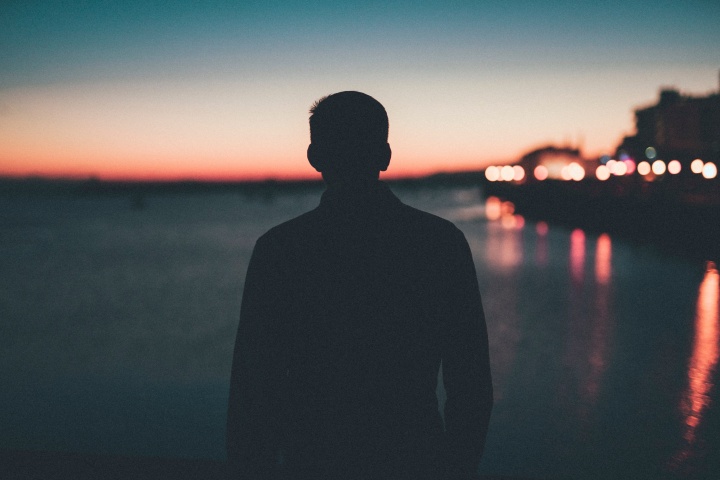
{"points": [[25, 465]]}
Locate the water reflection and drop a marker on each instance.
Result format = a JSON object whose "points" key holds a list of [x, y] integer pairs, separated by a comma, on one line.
{"points": [[541, 247], [702, 363], [577, 255], [504, 249], [591, 326], [603, 259], [602, 324], [578, 324]]}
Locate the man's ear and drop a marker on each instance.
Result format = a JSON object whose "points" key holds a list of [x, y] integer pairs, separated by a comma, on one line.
{"points": [[315, 159], [384, 158]]}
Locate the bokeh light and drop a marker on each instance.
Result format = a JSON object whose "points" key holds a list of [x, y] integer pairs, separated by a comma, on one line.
{"points": [[492, 173], [619, 169], [630, 165], [507, 173], [565, 173], [643, 168], [576, 172], [541, 172], [602, 173], [709, 170], [674, 167], [518, 173], [492, 208], [507, 208], [697, 166], [650, 153], [659, 167]]}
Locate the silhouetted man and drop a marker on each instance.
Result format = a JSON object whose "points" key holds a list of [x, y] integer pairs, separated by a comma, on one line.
{"points": [[347, 313]]}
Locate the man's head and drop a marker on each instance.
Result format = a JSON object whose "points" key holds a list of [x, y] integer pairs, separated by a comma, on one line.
{"points": [[348, 137]]}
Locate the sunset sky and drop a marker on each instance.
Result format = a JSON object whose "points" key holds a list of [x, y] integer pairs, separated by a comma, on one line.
{"points": [[212, 90]]}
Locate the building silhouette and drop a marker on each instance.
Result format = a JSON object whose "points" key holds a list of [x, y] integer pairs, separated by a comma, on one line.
{"points": [[678, 126]]}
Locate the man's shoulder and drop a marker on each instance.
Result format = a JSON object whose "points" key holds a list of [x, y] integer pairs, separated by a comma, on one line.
{"points": [[290, 228], [418, 227], [423, 219], [398, 218]]}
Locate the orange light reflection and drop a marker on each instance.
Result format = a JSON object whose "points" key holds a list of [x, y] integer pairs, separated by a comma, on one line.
{"points": [[603, 259], [705, 350], [577, 255], [703, 361], [492, 208], [504, 242]]}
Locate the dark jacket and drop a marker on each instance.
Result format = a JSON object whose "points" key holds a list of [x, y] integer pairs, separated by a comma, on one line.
{"points": [[347, 313]]}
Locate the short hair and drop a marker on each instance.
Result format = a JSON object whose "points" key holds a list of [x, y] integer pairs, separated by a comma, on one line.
{"points": [[348, 120]]}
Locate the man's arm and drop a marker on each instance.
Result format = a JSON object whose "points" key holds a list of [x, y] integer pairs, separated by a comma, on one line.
{"points": [[254, 405], [466, 367]]}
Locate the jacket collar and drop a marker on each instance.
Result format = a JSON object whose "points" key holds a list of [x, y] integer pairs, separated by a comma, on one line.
{"points": [[361, 195]]}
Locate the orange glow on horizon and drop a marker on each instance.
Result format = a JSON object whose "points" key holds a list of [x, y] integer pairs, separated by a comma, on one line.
{"points": [[216, 169]]}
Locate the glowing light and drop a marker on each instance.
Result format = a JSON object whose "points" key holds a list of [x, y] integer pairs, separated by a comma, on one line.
{"points": [[643, 168], [509, 222], [658, 167], [603, 259], [619, 169], [602, 173], [630, 165], [541, 172], [507, 173], [565, 173], [709, 170], [650, 153], [518, 173], [576, 172], [541, 228], [519, 221], [492, 208], [696, 166], [507, 209], [492, 173], [611, 164], [674, 167]]}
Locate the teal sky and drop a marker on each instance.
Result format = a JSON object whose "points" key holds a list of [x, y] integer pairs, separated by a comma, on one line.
{"points": [[508, 71]]}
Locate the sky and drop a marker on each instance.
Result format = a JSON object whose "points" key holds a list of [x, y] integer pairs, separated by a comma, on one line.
{"points": [[145, 89]]}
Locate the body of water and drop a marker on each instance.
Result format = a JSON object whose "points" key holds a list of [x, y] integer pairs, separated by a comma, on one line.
{"points": [[117, 325]]}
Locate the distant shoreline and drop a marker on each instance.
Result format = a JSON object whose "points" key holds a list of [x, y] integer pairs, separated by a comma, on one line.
{"points": [[47, 185]]}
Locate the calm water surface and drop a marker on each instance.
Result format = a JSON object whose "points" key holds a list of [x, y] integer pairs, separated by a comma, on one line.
{"points": [[117, 327]]}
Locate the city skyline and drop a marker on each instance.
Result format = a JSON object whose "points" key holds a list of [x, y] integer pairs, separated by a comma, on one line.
{"points": [[143, 90]]}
